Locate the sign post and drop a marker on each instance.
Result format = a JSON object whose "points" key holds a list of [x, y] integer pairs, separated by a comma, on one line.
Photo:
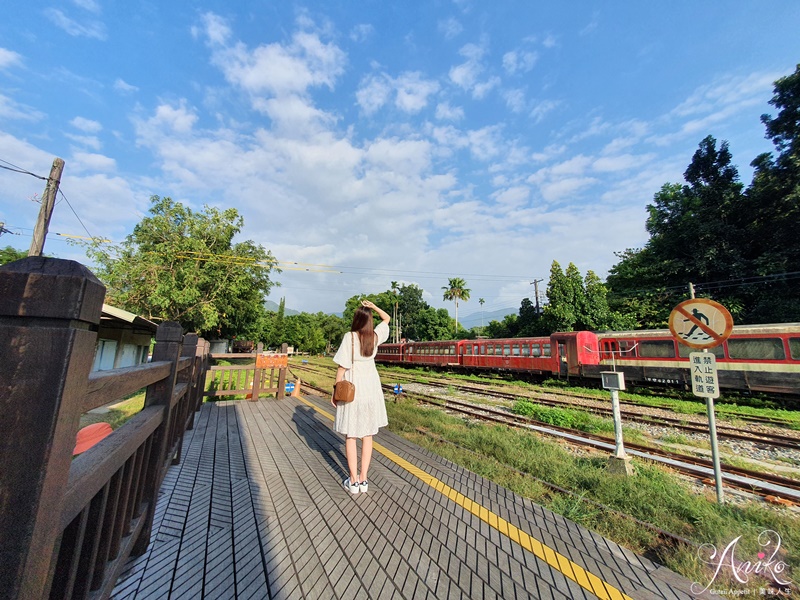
{"points": [[618, 463], [701, 324]]}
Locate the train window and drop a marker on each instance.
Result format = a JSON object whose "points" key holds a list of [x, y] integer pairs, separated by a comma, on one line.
{"points": [[490, 349], [506, 349], [684, 351], [515, 350], [468, 350], [756, 348], [537, 352], [546, 350], [794, 348], [657, 349], [627, 348], [526, 350], [452, 349]]}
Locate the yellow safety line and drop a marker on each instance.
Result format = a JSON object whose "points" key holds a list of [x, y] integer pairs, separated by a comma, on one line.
{"points": [[587, 580]]}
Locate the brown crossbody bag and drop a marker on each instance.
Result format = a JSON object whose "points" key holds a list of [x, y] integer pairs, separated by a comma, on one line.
{"points": [[345, 391]]}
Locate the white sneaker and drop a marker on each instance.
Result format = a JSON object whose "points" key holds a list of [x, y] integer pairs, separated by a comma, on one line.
{"points": [[351, 487], [364, 486]]}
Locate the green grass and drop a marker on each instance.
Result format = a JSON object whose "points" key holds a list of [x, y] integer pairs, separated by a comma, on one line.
{"points": [[521, 460], [564, 417], [118, 413]]}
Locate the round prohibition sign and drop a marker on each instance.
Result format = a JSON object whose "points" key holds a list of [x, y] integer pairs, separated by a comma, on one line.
{"points": [[700, 323]]}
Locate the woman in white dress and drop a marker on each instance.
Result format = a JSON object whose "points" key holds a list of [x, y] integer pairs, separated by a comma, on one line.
{"points": [[362, 417]]}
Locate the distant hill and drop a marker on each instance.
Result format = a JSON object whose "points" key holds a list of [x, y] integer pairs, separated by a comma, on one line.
{"points": [[474, 319], [274, 306]]}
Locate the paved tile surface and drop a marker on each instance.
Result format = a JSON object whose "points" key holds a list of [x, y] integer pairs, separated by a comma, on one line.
{"points": [[256, 510]]}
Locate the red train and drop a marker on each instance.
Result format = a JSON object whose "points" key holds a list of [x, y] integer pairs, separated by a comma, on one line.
{"points": [[764, 358]]}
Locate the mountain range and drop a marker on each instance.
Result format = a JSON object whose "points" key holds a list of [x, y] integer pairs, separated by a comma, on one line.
{"points": [[469, 321]]}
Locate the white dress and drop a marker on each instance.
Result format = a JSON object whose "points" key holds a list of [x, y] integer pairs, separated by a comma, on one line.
{"points": [[367, 412]]}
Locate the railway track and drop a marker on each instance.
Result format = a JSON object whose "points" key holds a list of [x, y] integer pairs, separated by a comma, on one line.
{"points": [[723, 430], [774, 488]]}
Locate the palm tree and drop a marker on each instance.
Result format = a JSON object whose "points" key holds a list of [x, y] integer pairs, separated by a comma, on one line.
{"points": [[456, 289], [481, 301]]}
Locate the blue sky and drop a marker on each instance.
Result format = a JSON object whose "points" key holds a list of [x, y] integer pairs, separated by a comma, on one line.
{"points": [[371, 142]]}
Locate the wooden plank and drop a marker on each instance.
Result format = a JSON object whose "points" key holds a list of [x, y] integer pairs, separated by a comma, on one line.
{"points": [[94, 468], [113, 384]]}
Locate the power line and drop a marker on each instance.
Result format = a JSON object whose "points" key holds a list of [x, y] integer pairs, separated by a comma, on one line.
{"points": [[15, 169], [74, 213]]}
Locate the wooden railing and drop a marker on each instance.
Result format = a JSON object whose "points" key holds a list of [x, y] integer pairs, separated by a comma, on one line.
{"points": [[251, 380], [68, 526]]}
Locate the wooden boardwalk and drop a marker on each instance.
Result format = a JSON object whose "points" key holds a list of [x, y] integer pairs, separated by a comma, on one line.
{"points": [[256, 510]]}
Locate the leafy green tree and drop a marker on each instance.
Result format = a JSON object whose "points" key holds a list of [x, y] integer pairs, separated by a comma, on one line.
{"points": [[774, 212], [455, 290], [508, 327], [434, 324], [10, 254], [560, 313], [305, 333], [410, 304], [183, 265]]}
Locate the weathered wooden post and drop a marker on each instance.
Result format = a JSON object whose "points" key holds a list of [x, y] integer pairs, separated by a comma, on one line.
{"points": [[187, 376], [169, 337], [49, 313]]}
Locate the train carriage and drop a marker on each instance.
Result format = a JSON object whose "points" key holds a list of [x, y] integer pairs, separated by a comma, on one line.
{"points": [[764, 358], [390, 353], [532, 355], [445, 353]]}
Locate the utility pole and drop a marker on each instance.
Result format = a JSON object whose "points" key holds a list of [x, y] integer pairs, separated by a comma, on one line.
{"points": [[46, 210], [535, 284], [691, 290]]}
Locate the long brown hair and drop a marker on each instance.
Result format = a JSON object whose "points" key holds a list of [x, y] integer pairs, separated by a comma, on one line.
{"points": [[363, 325]]}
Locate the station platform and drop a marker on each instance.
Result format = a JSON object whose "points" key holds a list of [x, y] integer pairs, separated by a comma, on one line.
{"points": [[256, 509]]}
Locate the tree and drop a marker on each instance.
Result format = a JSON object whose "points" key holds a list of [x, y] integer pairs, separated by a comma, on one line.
{"points": [[10, 254], [561, 309], [410, 304], [434, 324], [455, 290], [481, 302], [183, 266]]}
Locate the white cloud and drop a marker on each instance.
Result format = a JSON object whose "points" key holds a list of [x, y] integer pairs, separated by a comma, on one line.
{"points": [[542, 109], [450, 28], [621, 162], [9, 58], [373, 93], [445, 112], [410, 89], [92, 29], [9, 109], [87, 141], [85, 161], [515, 100], [362, 32], [519, 61], [89, 5], [413, 91], [124, 87], [176, 119], [513, 196], [278, 70], [86, 125], [727, 91]]}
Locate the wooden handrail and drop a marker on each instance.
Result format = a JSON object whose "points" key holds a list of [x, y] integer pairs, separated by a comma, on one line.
{"points": [[68, 526]]}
